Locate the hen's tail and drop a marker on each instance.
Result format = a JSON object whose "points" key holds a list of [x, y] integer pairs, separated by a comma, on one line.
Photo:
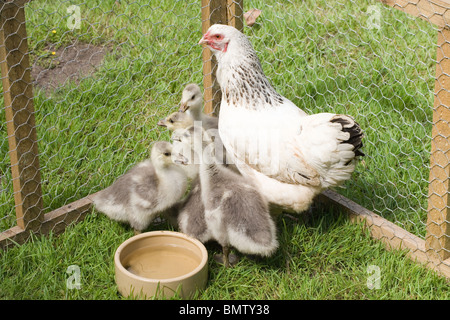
{"points": [[324, 153], [356, 134]]}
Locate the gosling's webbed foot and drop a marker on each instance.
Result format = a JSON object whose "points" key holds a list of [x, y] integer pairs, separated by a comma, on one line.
{"points": [[232, 259], [226, 258]]}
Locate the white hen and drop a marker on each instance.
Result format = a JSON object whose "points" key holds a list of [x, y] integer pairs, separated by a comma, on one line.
{"points": [[293, 155], [225, 206]]}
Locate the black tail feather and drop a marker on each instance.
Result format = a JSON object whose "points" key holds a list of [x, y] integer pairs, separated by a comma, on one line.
{"points": [[356, 133]]}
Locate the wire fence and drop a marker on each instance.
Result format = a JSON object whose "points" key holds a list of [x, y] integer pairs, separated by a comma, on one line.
{"points": [[103, 73], [375, 64]]}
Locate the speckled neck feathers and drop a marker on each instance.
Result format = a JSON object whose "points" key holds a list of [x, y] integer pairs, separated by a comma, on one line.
{"points": [[242, 78]]}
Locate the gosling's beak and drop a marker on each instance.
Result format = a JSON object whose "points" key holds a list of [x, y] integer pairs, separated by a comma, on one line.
{"points": [[175, 137], [162, 123], [183, 107], [180, 159]]}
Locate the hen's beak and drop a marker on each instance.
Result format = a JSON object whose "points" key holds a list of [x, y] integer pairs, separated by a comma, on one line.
{"points": [[183, 107], [203, 40], [162, 123]]}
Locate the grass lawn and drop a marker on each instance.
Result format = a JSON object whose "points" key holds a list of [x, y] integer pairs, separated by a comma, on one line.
{"points": [[323, 55], [321, 257]]}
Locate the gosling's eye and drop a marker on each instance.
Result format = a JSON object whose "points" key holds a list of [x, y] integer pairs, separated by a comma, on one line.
{"points": [[193, 97], [167, 154], [171, 121]]}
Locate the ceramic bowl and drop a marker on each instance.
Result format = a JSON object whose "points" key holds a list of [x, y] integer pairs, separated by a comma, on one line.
{"points": [[161, 264]]}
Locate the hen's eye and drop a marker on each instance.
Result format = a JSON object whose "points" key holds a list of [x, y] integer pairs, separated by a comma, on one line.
{"points": [[218, 36]]}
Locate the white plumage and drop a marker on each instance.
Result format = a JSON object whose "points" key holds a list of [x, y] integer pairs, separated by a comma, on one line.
{"points": [[293, 156], [225, 206]]}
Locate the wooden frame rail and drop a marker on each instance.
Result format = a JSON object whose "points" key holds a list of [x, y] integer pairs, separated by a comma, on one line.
{"points": [[394, 237], [434, 251], [437, 12]]}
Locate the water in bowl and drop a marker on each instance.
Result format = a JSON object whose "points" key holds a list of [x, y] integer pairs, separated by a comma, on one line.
{"points": [[161, 262]]}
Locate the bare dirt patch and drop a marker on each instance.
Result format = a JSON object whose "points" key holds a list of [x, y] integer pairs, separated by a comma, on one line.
{"points": [[70, 63]]}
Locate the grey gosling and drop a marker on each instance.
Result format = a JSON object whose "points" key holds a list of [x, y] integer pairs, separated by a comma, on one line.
{"points": [[192, 104], [146, 190], [176, 120], [232, 211]]}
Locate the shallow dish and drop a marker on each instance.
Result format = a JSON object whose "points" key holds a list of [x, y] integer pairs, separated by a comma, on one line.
{"points": [[160, 264]]}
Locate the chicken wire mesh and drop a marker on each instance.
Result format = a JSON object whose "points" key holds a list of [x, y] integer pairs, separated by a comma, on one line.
{"points": [[105, 72], [374, 63]]}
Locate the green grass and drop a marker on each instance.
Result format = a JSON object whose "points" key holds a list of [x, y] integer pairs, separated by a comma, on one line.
{"points": [[315, 261], [327, 59], [320, 54]]}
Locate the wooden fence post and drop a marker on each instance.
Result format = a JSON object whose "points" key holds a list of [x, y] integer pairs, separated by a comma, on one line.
{"points": [[224, 12], [235, 14], [19, 112], [438, 224]]}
